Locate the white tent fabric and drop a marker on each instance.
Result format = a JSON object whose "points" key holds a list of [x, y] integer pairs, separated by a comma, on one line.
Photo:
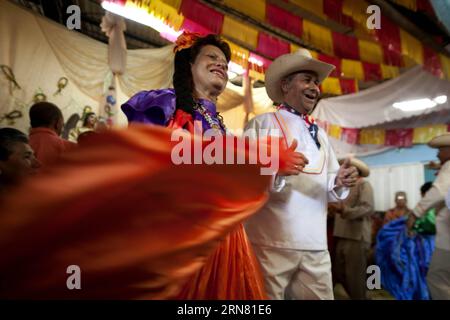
{"points": [[387, 180], [433, 118], [84, 61], [40, 52], [147, 69], [373, 106], [344, 149]]}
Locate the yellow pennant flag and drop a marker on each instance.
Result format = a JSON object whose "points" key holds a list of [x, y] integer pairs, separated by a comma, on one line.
{"points": [[370, 51], [425, 134], [318, 36], [334, 131], [411, 47], [315, 7], [239, 31], [239, 55], [445, 63], [254, 8], [372, 136], [389, 72], [352, 69], [331, 85], [173, 3]]}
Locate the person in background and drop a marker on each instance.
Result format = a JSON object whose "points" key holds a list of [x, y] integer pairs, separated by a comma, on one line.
{"points": [[352, 231], [89, 124], [438, 277], [47, 122], [101, 125], [17, 159], [400, 208], [427, 223]]}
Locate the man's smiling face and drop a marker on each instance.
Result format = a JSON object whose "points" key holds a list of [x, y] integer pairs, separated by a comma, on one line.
{"points": [[301, 90]]}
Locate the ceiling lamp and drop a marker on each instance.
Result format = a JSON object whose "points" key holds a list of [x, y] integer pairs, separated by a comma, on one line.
{"points": [[440, 99], [133, 12], [419, 104]]}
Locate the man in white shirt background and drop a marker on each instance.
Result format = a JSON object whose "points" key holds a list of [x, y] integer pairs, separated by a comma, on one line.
{"points": [[438, 276]]}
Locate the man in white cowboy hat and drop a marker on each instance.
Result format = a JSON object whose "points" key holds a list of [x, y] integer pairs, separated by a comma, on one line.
{"points": [[438, 277], [289, 233], [353, 234]]}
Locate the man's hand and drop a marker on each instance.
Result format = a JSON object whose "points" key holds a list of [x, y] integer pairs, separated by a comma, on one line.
{"points": [[293, 162], [336, 208], [347, 175]]}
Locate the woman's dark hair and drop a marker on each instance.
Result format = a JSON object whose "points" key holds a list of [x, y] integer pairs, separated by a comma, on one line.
{"points": [[86, 117], [8, 137], [182, 77]]}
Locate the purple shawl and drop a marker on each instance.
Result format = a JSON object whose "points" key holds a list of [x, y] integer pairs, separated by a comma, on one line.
{"points": [[158, 106]]}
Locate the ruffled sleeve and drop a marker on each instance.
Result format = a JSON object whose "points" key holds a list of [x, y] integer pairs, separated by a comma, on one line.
{"points": [[152, 107]]}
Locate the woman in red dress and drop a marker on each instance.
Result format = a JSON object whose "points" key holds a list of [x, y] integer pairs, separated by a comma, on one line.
{"points": [[134, 224], [118, 215], [201, 64]]}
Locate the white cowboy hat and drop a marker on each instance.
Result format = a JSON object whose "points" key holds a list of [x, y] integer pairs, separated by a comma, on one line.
{"points": [[290, 63], [362, 167], [440, 141]]}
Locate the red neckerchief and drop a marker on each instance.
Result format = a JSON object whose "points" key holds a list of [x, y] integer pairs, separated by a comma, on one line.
{"points": [[306, 117], [309, 121]]}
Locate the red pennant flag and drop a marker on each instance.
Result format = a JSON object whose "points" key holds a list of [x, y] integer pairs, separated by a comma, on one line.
{"points": [[372, 71], [345, 46], [399, 137], [271, 46], [195, 27], [331, 60], [432, 62], [283, 19], [350, 135], [389, 37], [333, 10], [348, 86], [203, 15]]}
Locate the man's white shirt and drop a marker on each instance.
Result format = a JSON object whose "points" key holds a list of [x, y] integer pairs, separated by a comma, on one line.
{"points": [[295, 216]]}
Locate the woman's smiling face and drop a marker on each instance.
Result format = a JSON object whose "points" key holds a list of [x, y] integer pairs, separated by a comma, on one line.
{"points": [[209, 70]]}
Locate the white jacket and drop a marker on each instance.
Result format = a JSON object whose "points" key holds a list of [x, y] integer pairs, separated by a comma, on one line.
{"points": [[295, 216]]}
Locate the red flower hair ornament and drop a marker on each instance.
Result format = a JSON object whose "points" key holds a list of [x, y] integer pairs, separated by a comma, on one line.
{"points": [[186, 40]]}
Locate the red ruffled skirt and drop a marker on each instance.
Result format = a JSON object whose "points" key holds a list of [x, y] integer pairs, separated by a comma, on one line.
{"points": [[137, 226]]}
